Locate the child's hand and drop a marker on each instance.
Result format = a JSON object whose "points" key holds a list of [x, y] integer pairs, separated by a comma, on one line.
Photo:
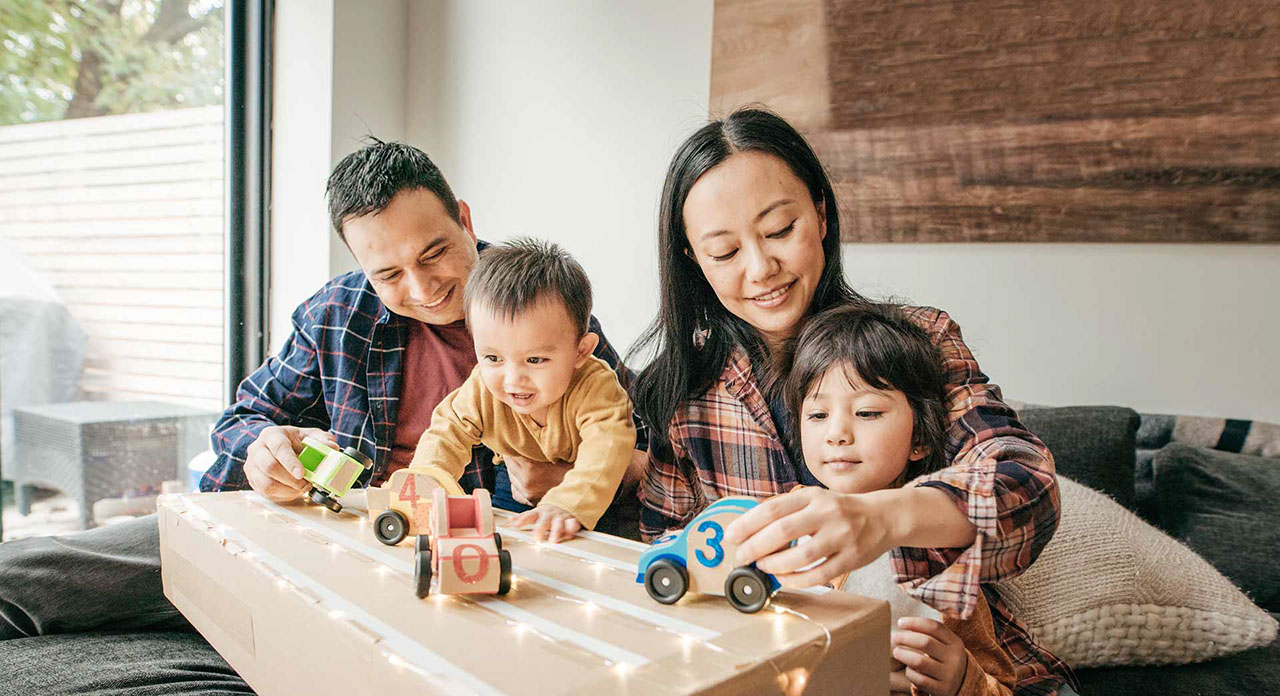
{"points": [[934, 656], [548, 522]]}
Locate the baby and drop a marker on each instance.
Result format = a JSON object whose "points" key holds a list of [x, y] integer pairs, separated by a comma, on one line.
{"points": [[537, 391], [866, 394]]}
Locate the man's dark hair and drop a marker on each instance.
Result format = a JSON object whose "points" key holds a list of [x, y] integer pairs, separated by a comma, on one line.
{"points": [[882, 347], [509, 278], [365, 181]]}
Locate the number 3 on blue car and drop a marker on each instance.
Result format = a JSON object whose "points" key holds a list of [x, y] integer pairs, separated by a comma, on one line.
{"points": [[697, 559]]}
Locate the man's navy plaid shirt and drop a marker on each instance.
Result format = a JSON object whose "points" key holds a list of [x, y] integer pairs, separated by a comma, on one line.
{"points": [[342, 370]]}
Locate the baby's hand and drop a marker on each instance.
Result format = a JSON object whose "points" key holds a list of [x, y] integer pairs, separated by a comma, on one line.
{"points": [[934, 656], [548, 522]]}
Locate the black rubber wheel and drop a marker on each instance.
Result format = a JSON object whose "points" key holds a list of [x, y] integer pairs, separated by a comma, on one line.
{"points": [[666, 581], [318, 497], [497, 540], [359, 456], [390, 527], [333, 504], [504, 570], [422, 572], [747, 589]]}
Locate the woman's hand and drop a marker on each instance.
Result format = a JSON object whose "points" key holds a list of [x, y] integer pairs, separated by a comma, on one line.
{"points": [[846, 532], [934, 657]]}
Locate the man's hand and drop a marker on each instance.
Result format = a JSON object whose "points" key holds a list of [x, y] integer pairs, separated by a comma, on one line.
{"points": [[271, 463], [530, 480], [548, 522], [934, 658]]}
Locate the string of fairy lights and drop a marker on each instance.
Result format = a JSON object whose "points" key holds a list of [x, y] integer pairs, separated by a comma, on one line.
{"points": [[791, 682]]}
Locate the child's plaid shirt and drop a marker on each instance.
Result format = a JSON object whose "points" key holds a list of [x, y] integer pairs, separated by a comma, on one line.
{"points": [[725, 442]]}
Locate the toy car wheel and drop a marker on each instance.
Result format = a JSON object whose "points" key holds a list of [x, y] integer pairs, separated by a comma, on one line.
{"points": [[747, 589], [359, 456], [390, 527], [331, 503], [319, 497], [666, 581], [422, 572], [504, 569], [497, 540]]}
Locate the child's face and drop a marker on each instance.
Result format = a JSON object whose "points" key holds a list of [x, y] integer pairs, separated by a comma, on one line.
{"points": [[855, 439], [527, 361]]}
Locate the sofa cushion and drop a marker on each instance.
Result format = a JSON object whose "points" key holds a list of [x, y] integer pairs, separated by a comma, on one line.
{"points": [[1255, 671], [1227, 507], [1093, 445], [1222, 434], [1110, 589]]}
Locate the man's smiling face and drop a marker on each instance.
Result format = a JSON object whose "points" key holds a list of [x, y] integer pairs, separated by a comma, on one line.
{"points": [[415, 255]]}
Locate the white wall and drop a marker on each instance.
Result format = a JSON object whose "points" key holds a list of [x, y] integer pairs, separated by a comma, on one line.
{"points": [[557, 119], [339, 74], [1161, 328]]}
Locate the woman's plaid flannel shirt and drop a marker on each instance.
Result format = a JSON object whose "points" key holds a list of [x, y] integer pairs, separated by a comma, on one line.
{"points": [[1001, 476], [341, 370]]}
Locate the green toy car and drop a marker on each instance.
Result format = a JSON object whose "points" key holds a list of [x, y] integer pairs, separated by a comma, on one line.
{"points": [[330, 472]]}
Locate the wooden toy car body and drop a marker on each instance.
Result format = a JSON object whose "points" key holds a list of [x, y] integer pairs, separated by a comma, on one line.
{"points": [[698, 559], [402, 506], [330, 471], [462, 549]]}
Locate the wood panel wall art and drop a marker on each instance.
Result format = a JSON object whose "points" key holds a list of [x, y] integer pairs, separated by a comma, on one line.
{"points": [[1024, 120]]}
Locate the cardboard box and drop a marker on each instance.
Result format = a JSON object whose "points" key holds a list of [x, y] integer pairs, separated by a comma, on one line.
{"points": [[300, 600]]}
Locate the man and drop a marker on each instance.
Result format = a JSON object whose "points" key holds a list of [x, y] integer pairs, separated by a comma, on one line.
{"points": [[370, 356], [375, 350]]}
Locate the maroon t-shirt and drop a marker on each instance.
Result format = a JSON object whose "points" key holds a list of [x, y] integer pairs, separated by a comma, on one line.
{"points": [[437, 360]]}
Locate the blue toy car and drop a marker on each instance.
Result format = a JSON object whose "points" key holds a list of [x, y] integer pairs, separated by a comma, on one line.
{"points": [[697, 559]]}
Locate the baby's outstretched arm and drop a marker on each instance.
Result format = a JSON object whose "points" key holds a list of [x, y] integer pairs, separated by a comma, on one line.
{"points": [[549, 522]]}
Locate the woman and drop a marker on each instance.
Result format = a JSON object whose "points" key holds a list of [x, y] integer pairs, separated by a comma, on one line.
{"points": [[749, 246]]}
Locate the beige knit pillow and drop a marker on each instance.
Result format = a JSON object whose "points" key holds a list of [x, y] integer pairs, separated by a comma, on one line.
{"points": [[1110, 589]]}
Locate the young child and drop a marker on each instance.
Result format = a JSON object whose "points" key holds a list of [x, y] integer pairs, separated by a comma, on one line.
{"points": [[866, 394], [537, 391]]}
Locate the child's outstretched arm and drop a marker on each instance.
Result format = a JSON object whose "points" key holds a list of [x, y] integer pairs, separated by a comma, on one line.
{"points": [[548, 522], [602, 415], [457, 424]]}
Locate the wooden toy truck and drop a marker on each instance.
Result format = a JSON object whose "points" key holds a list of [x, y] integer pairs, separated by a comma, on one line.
{"points": [[402, 506], [462, 549], [329, 471]]}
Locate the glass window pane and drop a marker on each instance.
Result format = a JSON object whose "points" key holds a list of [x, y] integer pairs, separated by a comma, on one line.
{"points": [[111, 250]]}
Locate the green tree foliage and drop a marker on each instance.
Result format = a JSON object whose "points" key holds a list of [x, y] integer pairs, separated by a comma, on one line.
{"points": [[78, 58]]}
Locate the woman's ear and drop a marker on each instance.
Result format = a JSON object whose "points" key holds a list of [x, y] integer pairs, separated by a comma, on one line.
{"points": [[586, 346], [918, 452]]}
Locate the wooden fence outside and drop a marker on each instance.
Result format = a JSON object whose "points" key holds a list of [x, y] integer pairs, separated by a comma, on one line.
{"points": [[123, 215]]}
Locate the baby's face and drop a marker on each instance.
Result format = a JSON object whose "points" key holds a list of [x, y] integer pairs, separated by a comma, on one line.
{"points": [[855, 439], [528, 361]]}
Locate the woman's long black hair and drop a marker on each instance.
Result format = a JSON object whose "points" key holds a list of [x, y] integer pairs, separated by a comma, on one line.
{"points": [[680, 368]]}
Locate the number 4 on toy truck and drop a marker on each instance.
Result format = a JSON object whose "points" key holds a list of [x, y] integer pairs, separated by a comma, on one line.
{"points": [[402, 506]]}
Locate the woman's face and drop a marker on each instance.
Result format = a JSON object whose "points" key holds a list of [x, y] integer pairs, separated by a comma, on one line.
{"points": [[757, 236]]}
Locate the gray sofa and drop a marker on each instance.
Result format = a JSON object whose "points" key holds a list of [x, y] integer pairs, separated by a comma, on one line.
{"points": [[1208, 482]]}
